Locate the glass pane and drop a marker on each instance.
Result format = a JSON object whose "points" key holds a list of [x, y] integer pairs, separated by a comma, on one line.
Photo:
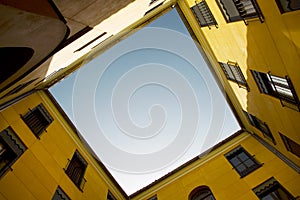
{"points": [[210, 197], [234, 161], [241, 168], [294, 4], [249, 163], [243, 156]]}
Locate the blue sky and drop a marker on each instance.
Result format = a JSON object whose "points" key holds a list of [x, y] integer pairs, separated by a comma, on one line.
{"points": [[148, 104]]}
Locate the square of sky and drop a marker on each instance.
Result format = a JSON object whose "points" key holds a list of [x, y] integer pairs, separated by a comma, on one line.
{"points": [[149, 104]]}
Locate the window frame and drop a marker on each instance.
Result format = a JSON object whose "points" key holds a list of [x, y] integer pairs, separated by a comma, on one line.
{"points": [[200, 18], [229, 19], [267, 84], [236, 72], [34, 114], [110, 196], [200, 190], [260, 125], [282, 8], [269, 186], [70, 170], [60, 194], [153, 198], [289, 147], [235, 153], [13, 149]]}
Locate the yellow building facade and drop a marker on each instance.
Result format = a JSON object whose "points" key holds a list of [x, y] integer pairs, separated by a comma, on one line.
{"points": [[253, 50], [42, 155], [255, 55], [43, 144], [214, 171]]}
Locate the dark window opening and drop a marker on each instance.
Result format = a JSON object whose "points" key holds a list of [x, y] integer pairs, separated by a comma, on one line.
{"points": [[272, 190], [201, 193], [110, 196], [203, 14], [288, 5], [76, 169], [236, 10], [153, 198], [242, 161], [290, 145], [11, 148], [60, 195], [233, 72], [38, 120], [281, 88], [260, 125]]}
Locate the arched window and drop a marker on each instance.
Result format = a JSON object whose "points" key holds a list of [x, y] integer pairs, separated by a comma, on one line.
{"points": [[201, 193]]}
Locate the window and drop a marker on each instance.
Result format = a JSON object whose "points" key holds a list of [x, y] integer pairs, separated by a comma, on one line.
{"points": [[76, 169], [241, 161], [201, 193], [153, 198], [203, 14], [11, 148], [38, 120], [288, 5], [260, 125], [235, 10], [60, 195], [110, 196], [278, 87], [272, 190], [290, 145], [234, 73]]}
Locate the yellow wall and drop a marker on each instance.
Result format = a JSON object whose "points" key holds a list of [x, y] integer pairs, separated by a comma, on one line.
{"points": [[40, 169], [271, 46], [216, 172]]}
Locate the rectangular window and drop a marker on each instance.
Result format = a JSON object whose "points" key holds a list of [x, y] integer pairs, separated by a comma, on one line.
{"points": [[60, 195], [290, 145], [236, 10], [76, 169], [288, 5], [281, 88], [260, 125], [272, 190], [242, 162], [38, 120], [11, 148], [234, 73], [203, 14]]}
